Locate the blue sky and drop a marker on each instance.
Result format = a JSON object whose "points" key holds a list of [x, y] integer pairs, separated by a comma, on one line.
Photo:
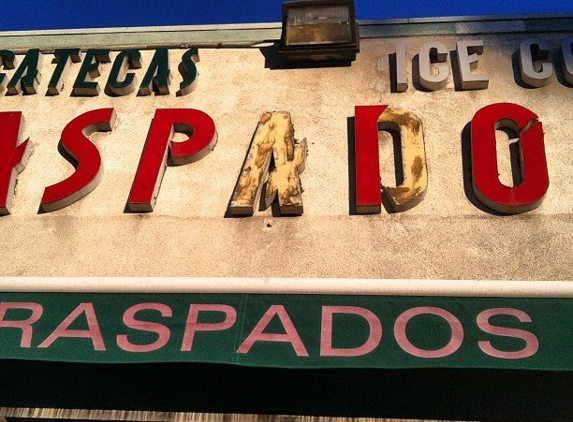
{"points": [[64, 14]]}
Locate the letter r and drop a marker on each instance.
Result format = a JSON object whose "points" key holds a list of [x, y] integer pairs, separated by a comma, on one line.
{"points": [[13, 157]]}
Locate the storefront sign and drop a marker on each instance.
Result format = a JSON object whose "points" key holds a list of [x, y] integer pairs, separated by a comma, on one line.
{"points": [[535, 71], [307, 331], [276, 139], [535, 68], [276, 158]]}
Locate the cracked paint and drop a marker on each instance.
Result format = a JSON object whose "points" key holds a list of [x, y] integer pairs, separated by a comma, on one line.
{"points": [[276, 156], [412, 190]]}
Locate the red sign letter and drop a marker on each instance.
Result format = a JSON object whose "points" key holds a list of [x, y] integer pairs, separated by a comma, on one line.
{"points": [[12, 158], [368, 196], [369, 120], [202, 139], [487, 187], [89, 170]]}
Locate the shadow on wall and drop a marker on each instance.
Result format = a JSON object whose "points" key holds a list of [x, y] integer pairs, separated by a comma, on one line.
{"points": [[274, 61]]}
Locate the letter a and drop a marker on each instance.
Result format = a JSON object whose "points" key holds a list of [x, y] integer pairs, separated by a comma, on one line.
{"points": [[274, 139]]}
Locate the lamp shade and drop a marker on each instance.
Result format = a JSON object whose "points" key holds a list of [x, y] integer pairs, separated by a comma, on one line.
{"points": [[319, 30]]}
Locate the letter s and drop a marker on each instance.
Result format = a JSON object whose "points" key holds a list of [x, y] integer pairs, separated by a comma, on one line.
{"points": [[89, 169], [531, 341]]}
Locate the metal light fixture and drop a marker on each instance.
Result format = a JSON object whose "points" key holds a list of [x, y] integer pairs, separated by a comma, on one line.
{"points": [[319, 31]]}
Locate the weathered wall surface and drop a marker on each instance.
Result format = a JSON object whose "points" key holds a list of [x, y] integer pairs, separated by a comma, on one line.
{"points": [[448, 235]]}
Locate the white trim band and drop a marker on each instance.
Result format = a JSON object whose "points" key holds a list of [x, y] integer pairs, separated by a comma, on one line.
{"points": [[262, 285]]}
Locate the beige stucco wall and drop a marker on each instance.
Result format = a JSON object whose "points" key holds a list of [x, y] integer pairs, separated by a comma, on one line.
{"points": [[444, 237]]}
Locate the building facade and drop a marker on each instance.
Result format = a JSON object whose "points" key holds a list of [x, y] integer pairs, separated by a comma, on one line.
{"points": [[193, 226]]}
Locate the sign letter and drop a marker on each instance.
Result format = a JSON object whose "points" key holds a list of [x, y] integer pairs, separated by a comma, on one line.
{"points": [[531, 341], [28, 82], [202, 139], [161, 330], [401, 74], [8, 61], [468, 52], [158, 74], [93, 332], [453, 345], [90, 66], [535, 72], [370, 119], [193, 325], [127, 59], [23, 324], [374, 336], [63, 57], [487, 186], [188, 70], [13, 157], [432, 57], [290, 336], [273, 142], [89, 169], [567, 56]]}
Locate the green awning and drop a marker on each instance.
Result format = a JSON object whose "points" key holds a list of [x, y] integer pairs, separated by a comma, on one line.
{"points": [[289, 331]]}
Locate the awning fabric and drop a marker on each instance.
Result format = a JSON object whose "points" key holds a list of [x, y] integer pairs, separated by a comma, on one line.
{"points": [[289, 331]]}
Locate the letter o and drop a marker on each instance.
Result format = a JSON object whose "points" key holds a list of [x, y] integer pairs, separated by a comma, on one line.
{"points": [[405, 343], [486, 184]]}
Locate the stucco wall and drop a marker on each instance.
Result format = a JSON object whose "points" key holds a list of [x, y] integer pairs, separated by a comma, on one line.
{"points": [[447, 236]]}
